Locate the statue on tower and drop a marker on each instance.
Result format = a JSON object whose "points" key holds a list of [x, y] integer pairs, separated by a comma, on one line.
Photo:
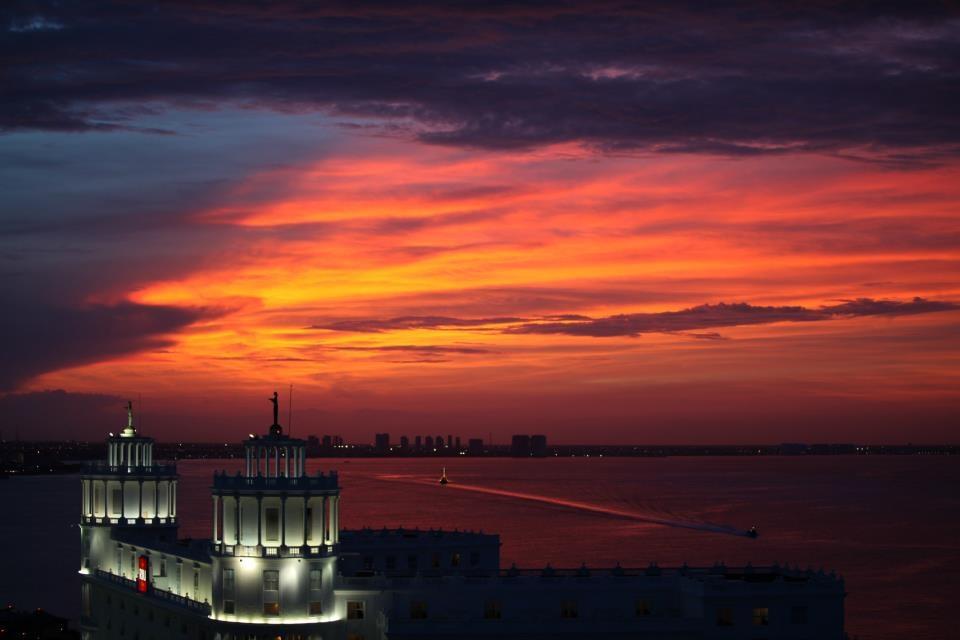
{"points": [[275, 427], [129, 430]]}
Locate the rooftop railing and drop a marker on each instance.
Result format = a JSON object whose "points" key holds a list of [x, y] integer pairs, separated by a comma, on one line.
{"points": [[168, 596], [226, 482], [102, 468], [259, 551]]}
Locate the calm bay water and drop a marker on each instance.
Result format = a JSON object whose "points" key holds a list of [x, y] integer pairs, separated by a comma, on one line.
{"points": [[890, 525]]}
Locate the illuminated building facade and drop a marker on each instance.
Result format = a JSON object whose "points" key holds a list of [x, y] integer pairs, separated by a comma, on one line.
{"points": [[278, 565]]}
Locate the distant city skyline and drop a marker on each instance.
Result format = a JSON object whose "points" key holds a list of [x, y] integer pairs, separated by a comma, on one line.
{"points": [[604, 224]]}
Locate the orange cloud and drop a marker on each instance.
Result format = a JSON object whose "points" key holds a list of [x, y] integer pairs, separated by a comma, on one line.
{"points": [[391, 229]]}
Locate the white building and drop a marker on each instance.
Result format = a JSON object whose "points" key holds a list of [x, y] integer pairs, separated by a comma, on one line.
{"points": [[278, 566]]}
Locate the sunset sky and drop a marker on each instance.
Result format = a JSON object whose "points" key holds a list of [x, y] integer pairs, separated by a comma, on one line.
{"points": [[602, 223]]}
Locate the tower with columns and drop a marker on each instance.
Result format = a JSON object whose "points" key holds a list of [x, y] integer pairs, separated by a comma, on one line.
{"points": [[127, 491], [274, 517]]}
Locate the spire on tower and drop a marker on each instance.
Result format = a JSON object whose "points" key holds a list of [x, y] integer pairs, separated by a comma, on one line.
{"points": [[129, 431]]}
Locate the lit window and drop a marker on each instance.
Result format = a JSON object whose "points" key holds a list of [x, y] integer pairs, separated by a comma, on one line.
{"points": [[271, 523], [455, 560], [761, 616], [271, 608], [354, 610], [798, 615], [315, 576], [643, 608], [271, 580], [725, 617], [491, 610], [568, 609], [418, 610], [316, 607], [228, 580]]}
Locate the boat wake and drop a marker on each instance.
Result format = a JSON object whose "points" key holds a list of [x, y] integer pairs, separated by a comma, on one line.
{"points": [[623, 514]]}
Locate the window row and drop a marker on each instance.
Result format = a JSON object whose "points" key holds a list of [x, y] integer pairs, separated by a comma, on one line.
{"points": [[760, 616]]}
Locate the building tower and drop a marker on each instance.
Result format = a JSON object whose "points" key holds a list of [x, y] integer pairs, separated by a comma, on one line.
{"points": [[127, 491], [274, 518]]}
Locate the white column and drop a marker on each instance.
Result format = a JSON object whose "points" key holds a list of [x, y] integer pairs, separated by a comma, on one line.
{"points": [[236, 516], [324, 519], [306, 499], [173, 499], [216, 503], [276, 457], [286, 461], [336, 519]]}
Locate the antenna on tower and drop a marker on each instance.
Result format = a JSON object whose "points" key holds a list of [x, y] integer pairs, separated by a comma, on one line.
{"points": [[290, 411]]}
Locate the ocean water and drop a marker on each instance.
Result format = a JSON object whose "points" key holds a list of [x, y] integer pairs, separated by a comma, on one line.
{"points": [[889, 525]]}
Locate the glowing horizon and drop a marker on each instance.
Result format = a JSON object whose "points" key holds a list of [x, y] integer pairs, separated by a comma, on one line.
{"points": [[572, 273]]}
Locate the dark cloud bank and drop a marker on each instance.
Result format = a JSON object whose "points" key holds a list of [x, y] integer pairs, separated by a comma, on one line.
{"points": [[878, 80], [36, 339], [705, 316]]}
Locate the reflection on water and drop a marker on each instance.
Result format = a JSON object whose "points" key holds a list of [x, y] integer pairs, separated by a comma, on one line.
{"points": [[890, 525]]}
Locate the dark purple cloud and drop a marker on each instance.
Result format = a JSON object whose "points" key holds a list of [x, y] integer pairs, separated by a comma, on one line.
{"points": [[35, 339], [418, 348], [690, 321], [371, 325], [710, 316], [739, 78]]}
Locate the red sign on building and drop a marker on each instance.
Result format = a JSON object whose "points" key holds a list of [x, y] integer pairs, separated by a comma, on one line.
{"points": [[143, 574]]}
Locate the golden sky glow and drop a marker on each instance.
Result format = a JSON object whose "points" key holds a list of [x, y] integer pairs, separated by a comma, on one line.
{"points": [[391, 229]]}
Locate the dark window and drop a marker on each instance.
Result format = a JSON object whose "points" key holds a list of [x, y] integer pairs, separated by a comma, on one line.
{"points": [[761, 616], [643, 608], [315, 577], [568, 609], [412, 563], [271, 608], [436, 561], [308, 533], [418, 610], [271, 580], [271, 523], [491, 610], [798, 615], [725, 617], [316, 607], [368, 562], [474, 558], [229, 606], [455, 560], [391, 563], [354, 610]]}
